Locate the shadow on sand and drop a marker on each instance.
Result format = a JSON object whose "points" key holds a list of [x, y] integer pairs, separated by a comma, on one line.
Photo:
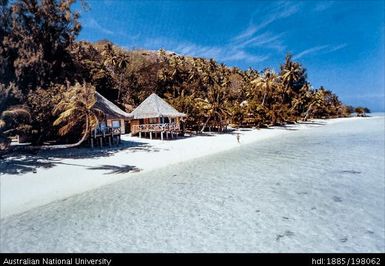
{"points": [[24, 161], [116, 169]]}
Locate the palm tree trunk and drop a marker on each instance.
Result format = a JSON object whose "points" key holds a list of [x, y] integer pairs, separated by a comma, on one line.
{"points": [[308, 111], [263, 100], [65, 146], [205, 124]]}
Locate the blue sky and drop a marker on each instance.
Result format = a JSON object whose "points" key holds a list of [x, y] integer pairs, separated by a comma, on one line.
{"points": [[340, 43]]}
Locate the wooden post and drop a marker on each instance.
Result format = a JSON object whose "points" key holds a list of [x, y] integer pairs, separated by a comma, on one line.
{"points": [[161, 135], [150, 135], [140, 134], [109, 140], [92, 143], [101, 142]]}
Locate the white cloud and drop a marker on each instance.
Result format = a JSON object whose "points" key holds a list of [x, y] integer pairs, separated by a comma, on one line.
{"points": [[262, 18], [93, 24], [266, 40], [321, 6], [247, 33], [238, 47], [310, 51], [324, 49], [224, 53], [338, 47]]}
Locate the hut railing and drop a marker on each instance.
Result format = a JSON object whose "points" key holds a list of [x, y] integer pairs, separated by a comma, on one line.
{"points": [[155, 127], [106, 131]]}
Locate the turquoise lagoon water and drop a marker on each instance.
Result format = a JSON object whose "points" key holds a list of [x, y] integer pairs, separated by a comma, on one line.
{"points": [[315, 190]]}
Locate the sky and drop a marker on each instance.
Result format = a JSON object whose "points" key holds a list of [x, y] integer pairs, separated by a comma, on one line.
{"points": [[340, 43]]}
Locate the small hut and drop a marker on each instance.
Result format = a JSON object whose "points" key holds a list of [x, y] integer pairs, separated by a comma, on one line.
{"points": [[155, 116], [113, 125]]}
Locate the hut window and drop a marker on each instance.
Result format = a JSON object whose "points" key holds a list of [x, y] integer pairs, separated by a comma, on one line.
{"points": [[166, 120], [102, 125], [153, 121], [141, 121], [172, 120], [115, 123]]}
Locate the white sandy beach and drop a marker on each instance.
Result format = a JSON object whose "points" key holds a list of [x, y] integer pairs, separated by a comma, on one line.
{"points": [[66, 177], [307, 188]]}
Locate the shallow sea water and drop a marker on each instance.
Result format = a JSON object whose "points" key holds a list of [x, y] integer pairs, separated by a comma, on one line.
{"points": [[316, 190]]}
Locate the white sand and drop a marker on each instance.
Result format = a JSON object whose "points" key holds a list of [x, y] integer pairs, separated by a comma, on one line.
{"points": [[313, 190], [68, 177]]}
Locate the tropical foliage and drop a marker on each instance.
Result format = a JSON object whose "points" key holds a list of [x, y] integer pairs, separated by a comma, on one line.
{"points": [[47, 74], [76, 111]]}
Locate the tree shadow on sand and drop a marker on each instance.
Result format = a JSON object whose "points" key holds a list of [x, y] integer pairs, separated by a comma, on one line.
{"points": [[114, 169], [22, 161], [19, 165]]}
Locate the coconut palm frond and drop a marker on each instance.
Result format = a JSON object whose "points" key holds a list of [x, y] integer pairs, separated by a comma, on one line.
{"points": [[91, 103], [93, 122], [64, 116], [64, 130]]}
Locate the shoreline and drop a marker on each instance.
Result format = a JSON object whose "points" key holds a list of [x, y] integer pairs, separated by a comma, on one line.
{"points": [[56, 177]]}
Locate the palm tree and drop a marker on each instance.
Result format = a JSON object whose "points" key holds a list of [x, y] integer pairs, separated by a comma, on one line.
{"points": [[266, 101], [115, 62], [293, 75], [317, 102], [77, 107], [299, 102], [214, 104]]}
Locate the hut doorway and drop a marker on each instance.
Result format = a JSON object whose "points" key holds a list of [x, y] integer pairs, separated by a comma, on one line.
{"points": [[127, 127]]}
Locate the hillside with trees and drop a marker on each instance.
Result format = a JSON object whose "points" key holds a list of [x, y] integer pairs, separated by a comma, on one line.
{"points": [[42, 66]]}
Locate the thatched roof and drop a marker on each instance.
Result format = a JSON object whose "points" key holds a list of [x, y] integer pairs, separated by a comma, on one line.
{"points": [[154, 106], [110, 110]]}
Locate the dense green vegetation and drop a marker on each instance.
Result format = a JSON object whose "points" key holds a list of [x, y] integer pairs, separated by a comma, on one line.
{"points": [[46, 77]]}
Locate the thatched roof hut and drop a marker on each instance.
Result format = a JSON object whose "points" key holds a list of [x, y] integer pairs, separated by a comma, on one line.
{"points": [[110, 110], [154, 106], [155, 115]]}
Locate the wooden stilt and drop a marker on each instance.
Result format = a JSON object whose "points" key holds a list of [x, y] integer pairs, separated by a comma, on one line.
{"points": [[150, 135], [161, 135], [109, 140], [101, 142], [140, 134], [92, 143]]}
